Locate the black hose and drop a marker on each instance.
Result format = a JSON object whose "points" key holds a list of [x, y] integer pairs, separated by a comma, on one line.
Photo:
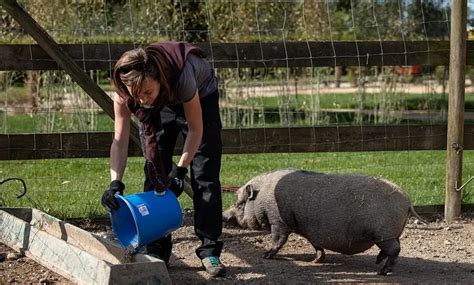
{"points": [[19, 179]]}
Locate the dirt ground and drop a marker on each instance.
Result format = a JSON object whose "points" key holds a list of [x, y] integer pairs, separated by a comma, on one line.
{"points": [[434, 253], [23, 270]]}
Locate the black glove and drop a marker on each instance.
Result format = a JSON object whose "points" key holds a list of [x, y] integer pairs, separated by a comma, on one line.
{"points": [[108, 199], [176, 180]]}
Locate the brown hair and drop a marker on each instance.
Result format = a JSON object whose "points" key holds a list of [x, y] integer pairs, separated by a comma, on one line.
{"points": [[136, 64]]}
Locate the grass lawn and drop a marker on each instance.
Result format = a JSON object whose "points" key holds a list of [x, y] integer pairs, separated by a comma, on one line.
{"points": [[55, 122], [71, 188], [408, 101], [298, 107]]}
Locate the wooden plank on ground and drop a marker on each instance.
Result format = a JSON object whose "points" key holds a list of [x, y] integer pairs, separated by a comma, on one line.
{"points": [[75, 253]]}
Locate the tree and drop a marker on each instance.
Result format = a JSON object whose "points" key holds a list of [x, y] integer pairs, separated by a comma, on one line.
{"points": [[427, 19]]}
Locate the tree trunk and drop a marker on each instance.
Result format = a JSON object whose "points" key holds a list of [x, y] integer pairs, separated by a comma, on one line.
{"points": [[338, 75], [33, 83]]}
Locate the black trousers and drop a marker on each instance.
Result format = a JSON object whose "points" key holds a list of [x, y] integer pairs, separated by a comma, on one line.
{"points": [[204, 172]]}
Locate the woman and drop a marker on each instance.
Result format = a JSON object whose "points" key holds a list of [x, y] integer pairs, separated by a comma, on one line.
{"points": [[172, 89]]}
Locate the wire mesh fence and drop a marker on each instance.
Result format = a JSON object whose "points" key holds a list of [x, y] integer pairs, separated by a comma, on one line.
{"points": [[311, 88]]}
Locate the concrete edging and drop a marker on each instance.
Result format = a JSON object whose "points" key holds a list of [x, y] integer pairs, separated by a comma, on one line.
{"points": [[75, 253]]}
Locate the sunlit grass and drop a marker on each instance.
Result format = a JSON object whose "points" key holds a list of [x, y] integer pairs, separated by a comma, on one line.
{"points": [[71, 188]]}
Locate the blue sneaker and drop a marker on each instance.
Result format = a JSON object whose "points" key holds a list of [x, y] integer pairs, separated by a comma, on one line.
{"points": [[213, 266]]}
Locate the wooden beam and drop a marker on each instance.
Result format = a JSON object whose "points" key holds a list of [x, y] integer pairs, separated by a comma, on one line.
{"points": [[244, 141], [455, 143], [52, 49], [233, 55]]}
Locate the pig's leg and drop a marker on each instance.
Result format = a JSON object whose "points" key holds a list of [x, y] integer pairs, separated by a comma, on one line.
{"points": [[380, 257], [279, 237], [390, 249]]}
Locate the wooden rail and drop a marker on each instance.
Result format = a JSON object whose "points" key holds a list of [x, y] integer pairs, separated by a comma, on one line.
{"points": [[262, 140], [233, 55]]}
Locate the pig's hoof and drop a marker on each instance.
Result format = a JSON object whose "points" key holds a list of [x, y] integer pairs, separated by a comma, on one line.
{"points": [[269, 254], [384, 271], [320, 256], [319, 259]]}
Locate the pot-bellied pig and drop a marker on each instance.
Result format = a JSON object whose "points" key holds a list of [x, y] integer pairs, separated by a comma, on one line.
{"points": [[345, 213]]}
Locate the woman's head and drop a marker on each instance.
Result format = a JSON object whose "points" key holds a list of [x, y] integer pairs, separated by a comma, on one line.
{"points": [[141, 75]]}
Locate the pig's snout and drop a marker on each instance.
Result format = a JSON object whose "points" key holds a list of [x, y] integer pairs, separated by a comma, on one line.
{"points": [[229, 217]]}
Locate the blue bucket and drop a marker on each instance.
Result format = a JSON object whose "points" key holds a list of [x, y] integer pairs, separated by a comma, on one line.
{"points": [[145, 217]]}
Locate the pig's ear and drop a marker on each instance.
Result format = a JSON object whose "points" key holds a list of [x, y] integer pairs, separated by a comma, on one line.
{"points": [[252, 193]]}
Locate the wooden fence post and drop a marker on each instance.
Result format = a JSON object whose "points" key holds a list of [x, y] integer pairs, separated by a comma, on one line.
{"points": [[453, 199]]}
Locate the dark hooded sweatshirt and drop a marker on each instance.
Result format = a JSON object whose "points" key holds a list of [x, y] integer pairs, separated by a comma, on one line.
{"points": [[176, 53]]}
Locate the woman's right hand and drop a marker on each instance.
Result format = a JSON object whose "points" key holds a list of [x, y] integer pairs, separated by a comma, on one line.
{"points": [[108, 199]]}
